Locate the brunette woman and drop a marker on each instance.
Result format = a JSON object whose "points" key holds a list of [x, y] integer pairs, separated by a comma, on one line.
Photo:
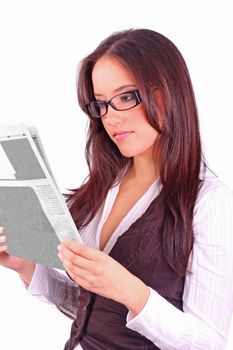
{"points": [[156, 270]]}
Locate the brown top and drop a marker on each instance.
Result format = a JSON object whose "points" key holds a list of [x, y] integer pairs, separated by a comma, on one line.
{"points": [[101, 322]]}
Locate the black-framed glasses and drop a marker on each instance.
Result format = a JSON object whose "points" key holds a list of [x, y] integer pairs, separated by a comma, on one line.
{"points": [[121, 102]]}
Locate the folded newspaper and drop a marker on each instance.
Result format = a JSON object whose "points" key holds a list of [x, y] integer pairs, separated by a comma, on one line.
{"points": [[32, 210]]}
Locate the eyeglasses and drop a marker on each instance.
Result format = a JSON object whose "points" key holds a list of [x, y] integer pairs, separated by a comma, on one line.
{"points": [[121, 102]]}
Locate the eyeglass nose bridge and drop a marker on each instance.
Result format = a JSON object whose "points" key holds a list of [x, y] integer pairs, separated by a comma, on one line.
{"points": [[109, 103]]}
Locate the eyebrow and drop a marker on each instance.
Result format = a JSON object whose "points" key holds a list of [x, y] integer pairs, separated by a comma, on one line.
{"points": [[120, 88]]}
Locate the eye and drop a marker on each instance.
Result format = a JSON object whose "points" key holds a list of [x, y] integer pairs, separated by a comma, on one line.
{"points": [[101, 104], [97, 108], [127, 97]]}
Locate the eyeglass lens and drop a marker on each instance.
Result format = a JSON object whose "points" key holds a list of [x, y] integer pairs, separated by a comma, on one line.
{"points": [[121, 102]]}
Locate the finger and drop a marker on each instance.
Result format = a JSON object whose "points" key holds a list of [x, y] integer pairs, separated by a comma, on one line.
{"points": [[86, 285], [75, 271], [3, 248], [82, 250], [2, 239], [79, 280], [68, 255], [1, 229], [81, 276]]}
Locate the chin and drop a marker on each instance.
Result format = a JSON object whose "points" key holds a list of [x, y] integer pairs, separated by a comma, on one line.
{"points": [[127, 153], [136, 152]]}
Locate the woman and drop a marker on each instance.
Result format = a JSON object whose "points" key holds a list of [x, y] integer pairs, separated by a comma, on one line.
{"points": [[156, 270]]}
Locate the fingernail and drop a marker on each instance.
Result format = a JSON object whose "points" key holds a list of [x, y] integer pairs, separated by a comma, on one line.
{"points": [[2, 238]]}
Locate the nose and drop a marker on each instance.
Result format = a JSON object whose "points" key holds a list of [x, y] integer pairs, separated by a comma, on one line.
{"points": [[113, 117]]}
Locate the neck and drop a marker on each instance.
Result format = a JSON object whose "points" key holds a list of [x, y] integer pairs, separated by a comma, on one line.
{"points": [[143, 168]]}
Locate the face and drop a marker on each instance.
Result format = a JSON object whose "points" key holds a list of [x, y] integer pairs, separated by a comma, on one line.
{"points": [[129, 130]]}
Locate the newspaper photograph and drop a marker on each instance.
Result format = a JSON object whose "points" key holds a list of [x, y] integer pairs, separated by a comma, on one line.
{"points": [[32, 209]]}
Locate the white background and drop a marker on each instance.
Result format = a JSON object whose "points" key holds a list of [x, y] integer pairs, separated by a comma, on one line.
{"points": [[41, 43]]}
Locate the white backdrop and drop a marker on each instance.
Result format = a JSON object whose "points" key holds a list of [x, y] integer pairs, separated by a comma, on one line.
{"points": [[41, 43]]}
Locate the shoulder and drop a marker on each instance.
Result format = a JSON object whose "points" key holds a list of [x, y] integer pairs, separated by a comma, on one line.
{"points": [[213, 188], [213, 212]]}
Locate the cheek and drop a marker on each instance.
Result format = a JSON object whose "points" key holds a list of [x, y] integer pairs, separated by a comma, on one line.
{"points": [[142, 142], [145, 130], [148, 137]]}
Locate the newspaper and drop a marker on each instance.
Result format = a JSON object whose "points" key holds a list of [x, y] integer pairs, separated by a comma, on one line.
{"points": [[32, 210]]}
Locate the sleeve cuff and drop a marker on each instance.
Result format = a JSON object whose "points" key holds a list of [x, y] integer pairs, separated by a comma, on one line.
{"points": [[156, 321], [137, 322], [48, 284]]}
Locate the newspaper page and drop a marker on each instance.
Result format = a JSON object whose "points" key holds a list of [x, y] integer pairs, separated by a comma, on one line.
{"points": [[32, 210]]}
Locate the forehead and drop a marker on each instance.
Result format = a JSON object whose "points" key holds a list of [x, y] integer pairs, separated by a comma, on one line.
{"points": [[109, 74]]}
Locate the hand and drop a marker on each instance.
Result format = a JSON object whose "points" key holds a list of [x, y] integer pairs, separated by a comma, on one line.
{"points": [[101, 274], [24, 267]]}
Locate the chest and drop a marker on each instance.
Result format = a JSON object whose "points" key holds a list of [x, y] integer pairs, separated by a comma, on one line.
{"points": [[126, 199]]}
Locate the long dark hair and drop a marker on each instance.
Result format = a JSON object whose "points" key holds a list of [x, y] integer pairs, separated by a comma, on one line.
{"points": [[155, 63]]}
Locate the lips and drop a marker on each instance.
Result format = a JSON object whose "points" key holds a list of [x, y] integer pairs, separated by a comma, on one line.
{"points": [[121, 135]]}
